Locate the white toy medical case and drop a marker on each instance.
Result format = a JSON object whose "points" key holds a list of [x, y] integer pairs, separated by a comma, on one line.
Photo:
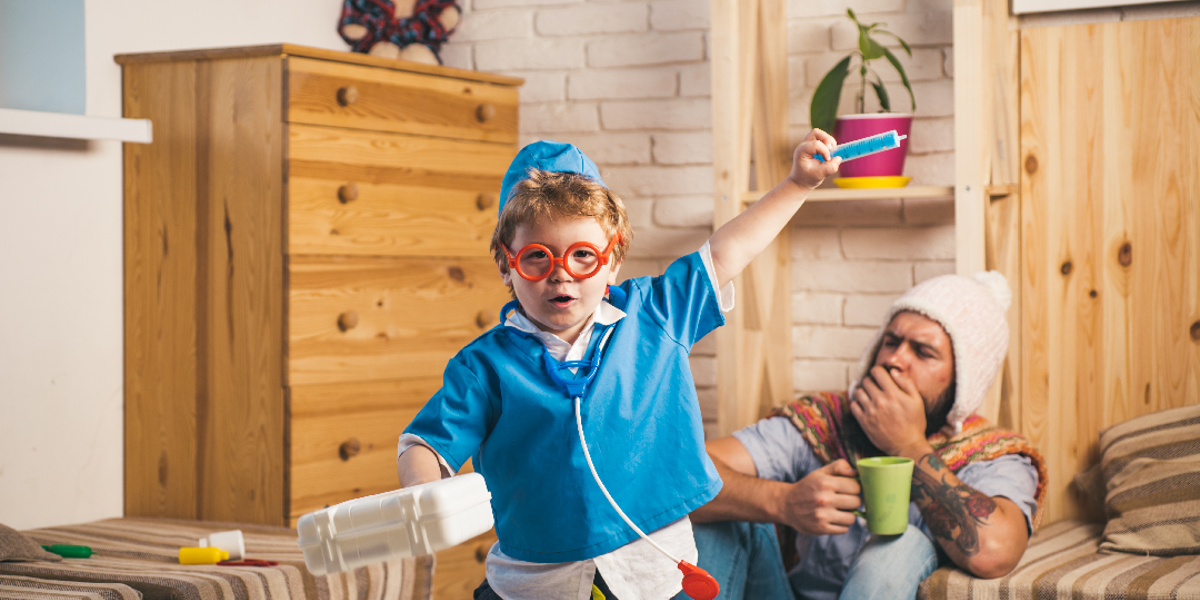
{"points": [[413, 521]]}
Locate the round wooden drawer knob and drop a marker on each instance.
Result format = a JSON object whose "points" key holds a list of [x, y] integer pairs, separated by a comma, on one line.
{"points": [[481, 552], [348, 320], [347, 95], [485, 201], [348, 193], [485, 112], [349, 448]]}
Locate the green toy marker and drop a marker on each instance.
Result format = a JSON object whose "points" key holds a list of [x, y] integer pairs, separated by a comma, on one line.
{"points": [[69, 550]]}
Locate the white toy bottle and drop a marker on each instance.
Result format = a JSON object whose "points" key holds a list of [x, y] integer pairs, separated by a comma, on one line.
{"points": [[412, 521]]}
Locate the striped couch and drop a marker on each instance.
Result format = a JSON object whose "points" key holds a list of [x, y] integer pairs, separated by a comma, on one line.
{"points": [[1064, 562], [1148, 481], [137, 558]]}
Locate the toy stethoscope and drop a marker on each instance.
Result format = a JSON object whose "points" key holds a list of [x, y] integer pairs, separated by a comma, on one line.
{"points": [[697, 583]]}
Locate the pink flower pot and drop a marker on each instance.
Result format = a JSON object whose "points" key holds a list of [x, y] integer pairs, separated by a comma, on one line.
{"points": [[889, 163]]}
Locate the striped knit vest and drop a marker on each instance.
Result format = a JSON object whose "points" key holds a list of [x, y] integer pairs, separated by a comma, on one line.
{"points": [[821, 418]]}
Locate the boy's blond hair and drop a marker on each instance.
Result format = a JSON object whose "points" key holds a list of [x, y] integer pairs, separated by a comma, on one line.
{"points": [[547, 195]]}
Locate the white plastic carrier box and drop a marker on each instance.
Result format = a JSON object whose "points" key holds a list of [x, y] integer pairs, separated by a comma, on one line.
{"points": [[413, 521]]}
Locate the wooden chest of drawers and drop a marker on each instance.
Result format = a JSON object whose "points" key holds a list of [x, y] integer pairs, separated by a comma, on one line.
{"points": [[305, 248]]}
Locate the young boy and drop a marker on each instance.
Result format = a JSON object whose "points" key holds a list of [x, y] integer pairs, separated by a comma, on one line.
{"points": [[573, 338]]}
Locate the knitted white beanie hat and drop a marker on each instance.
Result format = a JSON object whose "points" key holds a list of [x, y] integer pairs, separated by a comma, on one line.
{"points": [[971, 311]]}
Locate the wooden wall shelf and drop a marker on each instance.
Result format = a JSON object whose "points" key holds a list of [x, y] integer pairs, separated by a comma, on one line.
{"points": [[78, 127], [836, 194]]}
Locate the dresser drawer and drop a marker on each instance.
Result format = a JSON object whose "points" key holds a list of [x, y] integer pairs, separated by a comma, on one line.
{"points": [[374, 157], [462, 568], [343, 438], [348, 217], [374, 319], [360, 97]]}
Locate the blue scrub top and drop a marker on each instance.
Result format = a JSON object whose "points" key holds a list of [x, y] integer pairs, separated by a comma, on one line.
{"points": [[640, 416]]}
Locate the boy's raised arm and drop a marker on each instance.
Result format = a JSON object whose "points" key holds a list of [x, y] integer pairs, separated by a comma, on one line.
{"points": [[737, 242]]}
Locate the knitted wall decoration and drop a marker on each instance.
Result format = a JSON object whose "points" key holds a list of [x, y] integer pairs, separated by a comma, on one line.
{"points": [[410, 31]]}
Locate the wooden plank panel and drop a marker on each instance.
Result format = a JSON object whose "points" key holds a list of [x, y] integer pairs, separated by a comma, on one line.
{"points": [[400, 102], [1001, 98], [1036, 272], [1001, 152], [388, 219], [1003, 404], [970, 137], [160, 274], [1167, 254], [241, 418], [1111, 241], [412, 315], [324, 417], [769, 278], [734, 45]]}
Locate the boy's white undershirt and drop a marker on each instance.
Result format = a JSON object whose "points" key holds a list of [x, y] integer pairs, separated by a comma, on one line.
{"points": [[635, 571]]}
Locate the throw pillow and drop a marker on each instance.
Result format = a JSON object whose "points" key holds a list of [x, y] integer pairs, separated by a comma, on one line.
{"points": [[15, 547], [1151, 471]]}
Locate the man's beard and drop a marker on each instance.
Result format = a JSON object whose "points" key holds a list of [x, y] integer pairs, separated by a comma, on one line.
{"points": [[940, 411], [858, 444]]}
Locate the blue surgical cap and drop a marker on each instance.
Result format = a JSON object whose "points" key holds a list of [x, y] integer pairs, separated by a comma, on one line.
{"points": [[545, 155]]}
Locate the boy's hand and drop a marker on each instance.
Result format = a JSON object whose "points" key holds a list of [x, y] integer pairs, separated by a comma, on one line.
{"points": [[807, 171]]}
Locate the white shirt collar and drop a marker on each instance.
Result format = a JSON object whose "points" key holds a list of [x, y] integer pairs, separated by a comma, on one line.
{"points": [[605, 314]]}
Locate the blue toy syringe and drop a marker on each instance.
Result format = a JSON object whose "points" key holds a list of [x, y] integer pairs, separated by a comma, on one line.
{"points": [[865, 146]]}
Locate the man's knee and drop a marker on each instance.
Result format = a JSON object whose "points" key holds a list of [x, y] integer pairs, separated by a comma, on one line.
{"points": [[891, 566]]}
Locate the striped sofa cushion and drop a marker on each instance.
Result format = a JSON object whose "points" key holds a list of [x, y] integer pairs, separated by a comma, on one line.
{"points": [[32, 588], [143, 554], [1151, 471], [1064, 562]]}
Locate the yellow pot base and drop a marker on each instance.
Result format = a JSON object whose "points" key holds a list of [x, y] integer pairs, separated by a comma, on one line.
{"points": [[872, 182]]}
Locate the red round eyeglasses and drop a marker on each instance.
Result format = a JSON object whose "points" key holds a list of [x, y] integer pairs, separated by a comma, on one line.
{"points": [[582, 260]]}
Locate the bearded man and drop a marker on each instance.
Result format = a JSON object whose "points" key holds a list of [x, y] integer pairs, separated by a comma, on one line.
{"points": [[976, 489]]}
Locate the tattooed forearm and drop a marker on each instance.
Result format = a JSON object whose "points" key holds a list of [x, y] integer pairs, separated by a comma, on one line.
{"points": [[954, 511]]}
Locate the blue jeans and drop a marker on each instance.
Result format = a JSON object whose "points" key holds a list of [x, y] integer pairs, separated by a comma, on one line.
{"points": [[745, 560], [891, 566]]}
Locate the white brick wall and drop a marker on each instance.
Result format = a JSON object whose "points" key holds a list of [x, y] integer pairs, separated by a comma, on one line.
{"points": [[629, 82], [623, 84], [845, 277], [590, 19], [852, 259]]}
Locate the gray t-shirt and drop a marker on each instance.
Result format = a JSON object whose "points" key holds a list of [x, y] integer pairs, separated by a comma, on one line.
{"points": [[781, 453]]}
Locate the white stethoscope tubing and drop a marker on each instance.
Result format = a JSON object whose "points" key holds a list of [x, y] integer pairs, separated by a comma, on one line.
{"points": [[588, 456]]}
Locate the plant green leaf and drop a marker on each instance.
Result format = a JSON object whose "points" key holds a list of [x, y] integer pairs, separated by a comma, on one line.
{"points": [[881, 92], [903, 76], [823, 111], [903, 44], [872, 49], [864, 41]]}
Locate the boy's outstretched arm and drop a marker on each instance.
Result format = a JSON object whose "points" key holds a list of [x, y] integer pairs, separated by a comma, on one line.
{"points": [[737, 242]]}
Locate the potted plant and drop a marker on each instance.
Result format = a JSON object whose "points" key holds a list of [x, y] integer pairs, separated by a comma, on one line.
{"points": [[878, 170]]}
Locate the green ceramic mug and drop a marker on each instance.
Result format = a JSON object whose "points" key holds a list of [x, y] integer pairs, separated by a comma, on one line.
{"points": [[886, 483]]}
